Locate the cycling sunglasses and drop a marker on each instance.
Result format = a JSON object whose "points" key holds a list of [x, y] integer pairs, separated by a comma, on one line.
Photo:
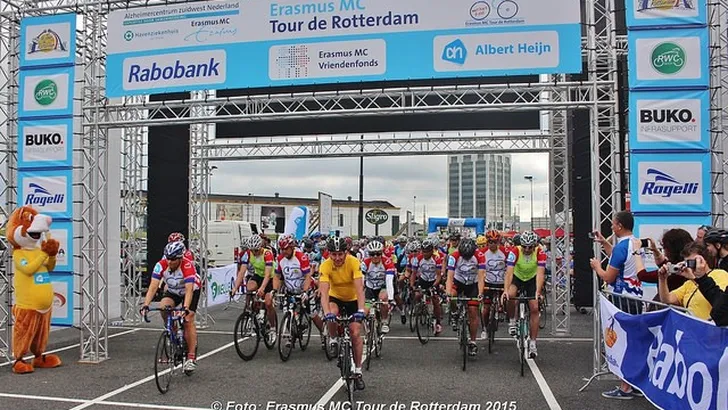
{"points": [[375, 254], [492, 241]]}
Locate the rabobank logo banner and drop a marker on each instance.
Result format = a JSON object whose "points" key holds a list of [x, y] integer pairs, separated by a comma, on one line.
{"points": [[48, 40], [233, 44], [677, 361], [46, 143], [47, 191], [46, 92], [662, 13], [670, 182], [669, 120], [668, 58]]}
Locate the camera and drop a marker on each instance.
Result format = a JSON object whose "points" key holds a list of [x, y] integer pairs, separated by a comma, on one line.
{"points": [[690, 263], [673, 269], [645, 243], [592, 236]]}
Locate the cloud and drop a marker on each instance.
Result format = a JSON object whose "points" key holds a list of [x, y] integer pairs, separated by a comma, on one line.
{"points": [[394, 179]]}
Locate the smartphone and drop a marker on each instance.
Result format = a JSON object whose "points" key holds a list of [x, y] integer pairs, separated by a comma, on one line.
{"points": [[690, 263], [592, 236], [645, 243]]}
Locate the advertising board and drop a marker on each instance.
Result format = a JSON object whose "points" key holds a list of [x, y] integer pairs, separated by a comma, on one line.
{"points": [[47, 191], [662, 13], [45, 143], [48, 40], [46, 92]]}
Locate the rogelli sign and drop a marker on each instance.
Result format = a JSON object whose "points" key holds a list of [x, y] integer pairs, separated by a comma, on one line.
{"points": [[376, 217]]}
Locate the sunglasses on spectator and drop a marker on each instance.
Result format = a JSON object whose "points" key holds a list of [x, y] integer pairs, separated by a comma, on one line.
{"points": [[375, 254]]}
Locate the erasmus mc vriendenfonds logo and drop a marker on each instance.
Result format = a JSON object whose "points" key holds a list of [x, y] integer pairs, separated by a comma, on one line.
{"points": [[668, 58], [45, 92]]}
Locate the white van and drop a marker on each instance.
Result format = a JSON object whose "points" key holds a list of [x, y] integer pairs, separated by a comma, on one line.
{"points": [[223, 237]]}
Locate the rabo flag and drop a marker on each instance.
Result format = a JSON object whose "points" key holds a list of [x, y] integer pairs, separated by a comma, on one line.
{"points": [[677, 361], [297, 223]]}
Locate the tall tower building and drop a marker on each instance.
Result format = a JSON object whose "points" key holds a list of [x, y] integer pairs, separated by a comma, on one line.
{"points": [[479, 186]]}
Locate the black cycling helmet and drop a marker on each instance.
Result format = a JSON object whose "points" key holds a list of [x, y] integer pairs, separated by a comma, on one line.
{"points": [[517, 240], [337, 244], [716, 236], [307, 243], [467, 247], [454, 236]]}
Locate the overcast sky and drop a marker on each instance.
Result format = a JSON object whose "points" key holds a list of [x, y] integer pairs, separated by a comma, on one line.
{"points": [[394, 179]]}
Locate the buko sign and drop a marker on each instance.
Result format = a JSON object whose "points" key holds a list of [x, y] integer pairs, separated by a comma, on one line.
{"points": [[246, 43]]}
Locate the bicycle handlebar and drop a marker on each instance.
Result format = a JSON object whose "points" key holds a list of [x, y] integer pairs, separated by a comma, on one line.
{"points": [[165, 309]]}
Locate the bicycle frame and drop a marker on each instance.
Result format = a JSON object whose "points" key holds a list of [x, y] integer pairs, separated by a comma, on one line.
{"points": [[169, 323]]}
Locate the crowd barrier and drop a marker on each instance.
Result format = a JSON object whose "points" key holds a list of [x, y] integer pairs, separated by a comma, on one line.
{"points": [[677, 361]]}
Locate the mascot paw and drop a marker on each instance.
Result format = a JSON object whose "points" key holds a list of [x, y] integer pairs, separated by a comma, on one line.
{"points": [[20, 367], [50, 247], [47, 361]]}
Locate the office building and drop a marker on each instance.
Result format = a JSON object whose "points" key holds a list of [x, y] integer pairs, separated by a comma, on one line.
{"points": [[479, 186]]}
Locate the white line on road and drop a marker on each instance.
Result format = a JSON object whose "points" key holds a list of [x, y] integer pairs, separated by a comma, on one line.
{"points": [[545, 389], [498, 339], [105, 403], [199, 331], [45, 398], [120, 390], [61, 349], [329, 394]]}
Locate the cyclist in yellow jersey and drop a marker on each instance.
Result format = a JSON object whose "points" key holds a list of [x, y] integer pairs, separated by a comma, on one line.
{"points": [[342, 292]]}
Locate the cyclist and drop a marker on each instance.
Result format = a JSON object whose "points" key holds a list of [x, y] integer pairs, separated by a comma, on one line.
{"points": [[427, 275], [495, 271], [342, 292], [526, 270], [466, 278], [379, 272], [481, 243], [400, 253], [178, 237], [182, 288], [258, 273]]}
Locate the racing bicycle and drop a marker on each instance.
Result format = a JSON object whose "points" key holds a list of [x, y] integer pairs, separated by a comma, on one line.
{"points": [[171, 348], [461, 318], [295, 326], [523, 313], [375, 338], [251, 326]]}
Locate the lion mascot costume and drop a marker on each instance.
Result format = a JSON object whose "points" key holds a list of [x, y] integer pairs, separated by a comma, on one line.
{"points": [[33, 259]]}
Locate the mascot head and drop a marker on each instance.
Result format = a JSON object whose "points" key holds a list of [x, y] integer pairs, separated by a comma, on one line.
{"points": [[26, 227]]}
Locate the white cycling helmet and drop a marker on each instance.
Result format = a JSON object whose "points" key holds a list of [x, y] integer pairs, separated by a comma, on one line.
{"points": [[255, 242], [529, 238], [375, 246]]}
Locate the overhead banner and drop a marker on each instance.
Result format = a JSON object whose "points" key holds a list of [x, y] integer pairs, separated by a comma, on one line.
{"points": [[46, 92], [677, 361], [661, 13], [669, 120], [668, 58], [670, 182], [45, 143], [239, 44], [47, 191], [48, 40]]}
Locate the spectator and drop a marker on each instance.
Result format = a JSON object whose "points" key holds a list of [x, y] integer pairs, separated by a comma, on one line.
{"points": [[717, 242], [673, 243], [621, 278], [688, 295], [701, 232], [710, 290]]}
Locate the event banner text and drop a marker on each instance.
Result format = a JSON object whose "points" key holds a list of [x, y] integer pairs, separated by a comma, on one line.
{"points": [[241, 44]]}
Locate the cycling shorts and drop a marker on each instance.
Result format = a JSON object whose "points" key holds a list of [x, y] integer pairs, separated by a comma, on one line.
{"points": [[373, 294], [424, 284], [527, 288], [492, 294], [346, 309], [259, 280], [463, 290], [178, 300]]}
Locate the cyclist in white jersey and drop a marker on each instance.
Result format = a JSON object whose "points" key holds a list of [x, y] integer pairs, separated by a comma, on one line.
{"points": [[426, 275], [495, 271], [379, 271]]}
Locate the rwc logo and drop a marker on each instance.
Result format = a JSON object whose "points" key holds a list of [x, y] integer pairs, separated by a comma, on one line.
{"points": [[664, 185], [455, 52], [40, 196]]}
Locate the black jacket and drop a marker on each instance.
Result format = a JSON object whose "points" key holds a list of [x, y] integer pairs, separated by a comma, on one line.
{"points": [[717, 298]]}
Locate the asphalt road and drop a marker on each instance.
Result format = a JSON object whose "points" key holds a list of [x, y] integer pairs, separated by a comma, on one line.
{"points": [[408, 376]]}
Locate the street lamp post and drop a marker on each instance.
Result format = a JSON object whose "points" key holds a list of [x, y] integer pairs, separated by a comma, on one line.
{"points": [[545, 205], [519, 210], [530, 179]]}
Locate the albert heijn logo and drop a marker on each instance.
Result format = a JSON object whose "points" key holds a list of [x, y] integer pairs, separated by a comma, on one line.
{"points": [[455, 52]]}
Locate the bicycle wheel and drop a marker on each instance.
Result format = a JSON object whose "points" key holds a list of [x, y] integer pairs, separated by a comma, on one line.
{"points": [[163, 361], [464, 337], [347, 372], [285, 337], [246, 336], [492, 326], [304, 335], [541, 313], [371, 341], [330, 351], [270, 344], [423, 325], [522, 329], [411, 316]]}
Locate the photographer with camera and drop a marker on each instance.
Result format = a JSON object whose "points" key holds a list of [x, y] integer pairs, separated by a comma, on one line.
{"points": [[698, 263], [673, 243]]}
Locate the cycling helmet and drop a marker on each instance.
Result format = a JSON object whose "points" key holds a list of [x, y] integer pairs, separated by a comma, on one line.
{"points": [[174, 250], [414, 246], [307, 243], [255, 242], [529, 238], [337, 244], [493, 235], [467, 248], [245, 243], [429, 244], [355, 243], [175, 237], [716, 236], [517, 240], [402, 239], [454, 236], [315, 235], [375, 246], [284, 241], [481, 241]]}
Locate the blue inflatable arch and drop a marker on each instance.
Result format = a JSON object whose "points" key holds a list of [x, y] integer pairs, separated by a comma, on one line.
{"points": [[437, 224]]}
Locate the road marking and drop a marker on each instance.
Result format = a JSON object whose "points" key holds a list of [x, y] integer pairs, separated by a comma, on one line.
{"points": [[329, 394], [497, 339], [120, 390], [199, 332], [545, 389], [104, 403], [61, 349]]}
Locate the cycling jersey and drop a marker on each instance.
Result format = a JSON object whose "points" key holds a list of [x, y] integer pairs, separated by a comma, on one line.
{"points": [[495, 266], [293, 271], [176, 280], [466, 270], [427, 269], [243, 257], [341, 278], [525, 267], [399, 253], [379, 275], [257, 264]]}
